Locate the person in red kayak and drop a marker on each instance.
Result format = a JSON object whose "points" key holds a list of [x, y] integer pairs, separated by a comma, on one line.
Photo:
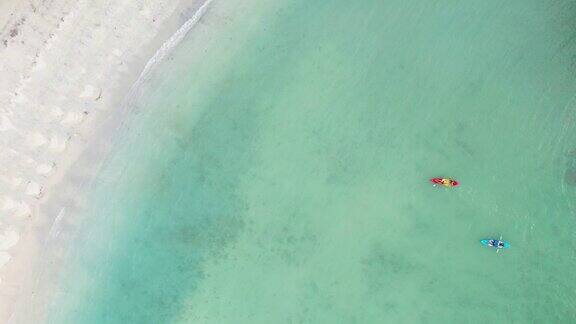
{"points": [[446, 182]]}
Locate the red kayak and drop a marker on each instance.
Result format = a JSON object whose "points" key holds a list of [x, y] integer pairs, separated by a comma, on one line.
{"points": [[446, 182]]}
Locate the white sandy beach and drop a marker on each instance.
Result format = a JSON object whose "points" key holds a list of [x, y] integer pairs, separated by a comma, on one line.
{"points": [[66, 66]]}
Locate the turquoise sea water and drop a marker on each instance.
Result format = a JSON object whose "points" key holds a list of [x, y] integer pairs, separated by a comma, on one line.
{"points": [[276, 171]]}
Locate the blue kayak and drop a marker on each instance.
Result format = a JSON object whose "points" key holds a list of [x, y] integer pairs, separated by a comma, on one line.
{"points": [[494, 243]]}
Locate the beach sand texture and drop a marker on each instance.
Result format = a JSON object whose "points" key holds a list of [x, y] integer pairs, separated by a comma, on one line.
{"points": [[64, 66]]}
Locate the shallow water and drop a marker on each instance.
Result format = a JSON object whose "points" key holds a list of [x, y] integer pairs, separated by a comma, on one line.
{"points": [[276, 171]]}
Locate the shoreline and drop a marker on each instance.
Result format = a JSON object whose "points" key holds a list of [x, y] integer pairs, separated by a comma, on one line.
{"points": [[28, 280]]}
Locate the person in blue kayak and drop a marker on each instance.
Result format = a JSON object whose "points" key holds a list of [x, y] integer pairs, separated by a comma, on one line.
{"points": [[498, 244]]}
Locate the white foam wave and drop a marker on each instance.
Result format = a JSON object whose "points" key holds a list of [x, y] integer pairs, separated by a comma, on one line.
{"points": [[170, 44]]}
